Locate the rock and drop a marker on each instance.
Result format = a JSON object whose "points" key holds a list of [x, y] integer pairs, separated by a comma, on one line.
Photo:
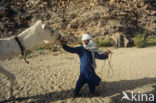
{"points": [[3, 11], [111, 1], [73, 25], [101, 23], [153, 13], [17, 20], [98, 17], [120, 40]]}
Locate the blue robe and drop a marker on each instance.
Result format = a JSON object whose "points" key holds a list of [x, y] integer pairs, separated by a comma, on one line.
{"points": [[87, 73]]}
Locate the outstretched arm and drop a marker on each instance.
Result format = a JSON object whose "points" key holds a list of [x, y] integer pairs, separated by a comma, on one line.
{"points": [[104, 55], [71, 49], [101, 56]]}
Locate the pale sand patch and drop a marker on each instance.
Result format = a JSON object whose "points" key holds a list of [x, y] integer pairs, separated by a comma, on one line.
{"points": [[52, 78]]}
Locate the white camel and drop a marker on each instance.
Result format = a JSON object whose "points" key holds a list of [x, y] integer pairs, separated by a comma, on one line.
{"points": [[34, 37]]}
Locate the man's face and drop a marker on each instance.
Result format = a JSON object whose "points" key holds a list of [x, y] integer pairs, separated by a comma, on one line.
{"points": [[86, 42]]}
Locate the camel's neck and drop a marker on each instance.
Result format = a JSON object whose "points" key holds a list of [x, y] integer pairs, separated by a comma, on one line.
{"points": [[31, 38]]}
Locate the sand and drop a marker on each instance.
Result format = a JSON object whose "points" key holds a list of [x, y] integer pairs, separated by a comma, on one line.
{"points": [[52, 76]]}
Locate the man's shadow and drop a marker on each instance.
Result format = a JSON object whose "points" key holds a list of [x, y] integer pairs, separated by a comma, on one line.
{"points": [[104, 89]]}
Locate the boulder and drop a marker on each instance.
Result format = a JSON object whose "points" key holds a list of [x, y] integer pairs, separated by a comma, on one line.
{"points": [[121, 40]]}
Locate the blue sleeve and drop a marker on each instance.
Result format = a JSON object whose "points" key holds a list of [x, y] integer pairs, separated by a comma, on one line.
{"points": [[71, 49], [101, 56]]}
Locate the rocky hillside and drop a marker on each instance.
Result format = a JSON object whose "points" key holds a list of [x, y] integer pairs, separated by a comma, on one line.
{"points": [[118, 19]]}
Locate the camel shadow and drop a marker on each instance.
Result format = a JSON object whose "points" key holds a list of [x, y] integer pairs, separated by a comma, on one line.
{"points": [[104, 89]]}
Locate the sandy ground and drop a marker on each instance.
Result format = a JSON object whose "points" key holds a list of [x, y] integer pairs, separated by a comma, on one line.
{"points": [[51, 77]]}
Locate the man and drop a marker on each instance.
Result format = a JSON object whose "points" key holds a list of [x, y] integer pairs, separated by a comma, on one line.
{"points": [[87, 54]]}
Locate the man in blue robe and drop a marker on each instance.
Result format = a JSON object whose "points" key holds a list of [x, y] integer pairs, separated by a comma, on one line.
{"points": [[87, 54]]}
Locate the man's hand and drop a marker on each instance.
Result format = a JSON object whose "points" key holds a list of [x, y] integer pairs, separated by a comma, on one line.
{"points": [[62, 41], [108, 52]]}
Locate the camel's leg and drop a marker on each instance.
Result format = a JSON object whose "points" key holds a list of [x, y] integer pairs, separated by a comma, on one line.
{"points": [[12, 88], [11, 78]]}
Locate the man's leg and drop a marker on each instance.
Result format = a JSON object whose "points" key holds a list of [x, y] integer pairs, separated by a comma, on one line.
{"points": [[81, 81], [91, 88]]}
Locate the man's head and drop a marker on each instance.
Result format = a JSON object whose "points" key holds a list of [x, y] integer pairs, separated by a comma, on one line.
{"points": [[85, 39], [88, 43]]}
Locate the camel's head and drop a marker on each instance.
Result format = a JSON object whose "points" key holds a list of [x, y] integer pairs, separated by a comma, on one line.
{"points": [[49, 35]]}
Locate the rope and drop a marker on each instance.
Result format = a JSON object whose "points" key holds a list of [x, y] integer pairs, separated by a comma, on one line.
{"points": [[110, 69], [110, 66], [22, 48]]}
